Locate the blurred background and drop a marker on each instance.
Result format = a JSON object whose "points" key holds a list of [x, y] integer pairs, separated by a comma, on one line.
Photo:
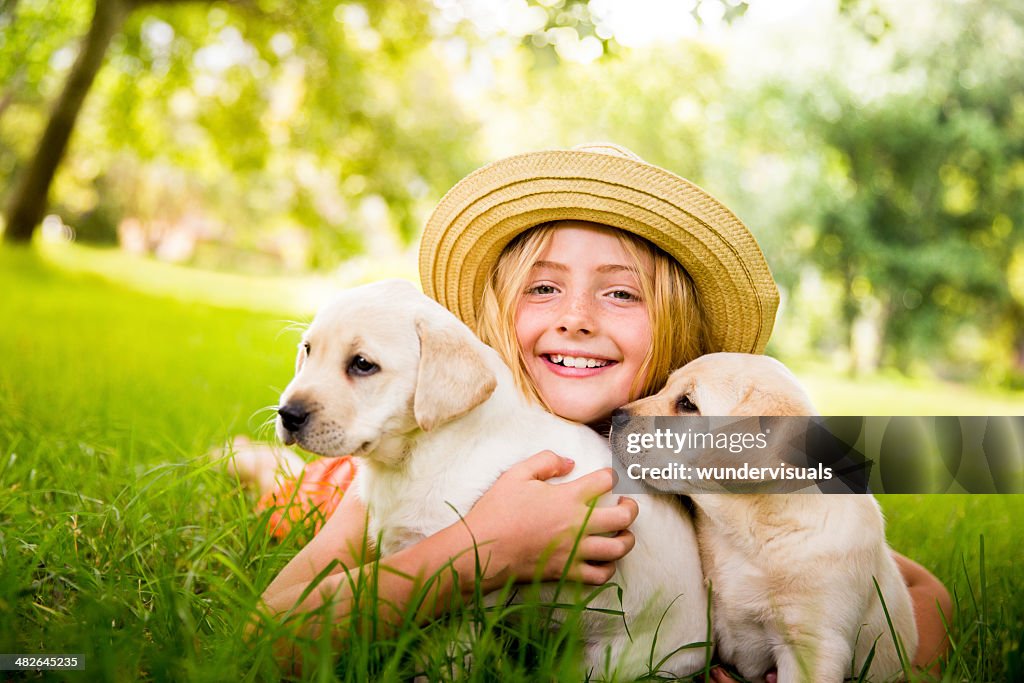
{"points": [[265, 151]]}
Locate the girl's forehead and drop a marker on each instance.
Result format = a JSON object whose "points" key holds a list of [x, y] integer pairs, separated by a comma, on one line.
{"points": [[584, 229], [578, 243]]}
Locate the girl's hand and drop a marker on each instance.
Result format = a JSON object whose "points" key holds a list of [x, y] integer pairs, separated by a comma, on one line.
{"points": [[525, 528]]}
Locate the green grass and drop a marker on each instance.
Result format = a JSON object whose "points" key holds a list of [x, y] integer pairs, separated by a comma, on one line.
{"points": [[298, 294], [119, 540], [837, 394]]}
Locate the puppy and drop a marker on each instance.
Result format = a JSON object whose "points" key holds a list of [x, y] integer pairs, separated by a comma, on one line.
{"points": [[791, 575], [434, 417]]}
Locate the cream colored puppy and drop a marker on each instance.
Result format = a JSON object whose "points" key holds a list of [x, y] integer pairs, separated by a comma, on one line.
{"points": [[791, 574], [434, 417]]}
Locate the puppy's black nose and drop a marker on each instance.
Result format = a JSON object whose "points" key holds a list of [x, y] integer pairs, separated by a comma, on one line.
{"points": [[293, 416]]}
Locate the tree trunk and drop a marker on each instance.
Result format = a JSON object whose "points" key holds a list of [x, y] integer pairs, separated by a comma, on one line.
{"points": [[28, 202], [8, 7], [849, 312], [1019, 340], [11, 91]]}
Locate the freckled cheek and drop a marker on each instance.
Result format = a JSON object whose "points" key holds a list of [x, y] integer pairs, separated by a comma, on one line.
{"points": [[525, 335], [530, 324]]}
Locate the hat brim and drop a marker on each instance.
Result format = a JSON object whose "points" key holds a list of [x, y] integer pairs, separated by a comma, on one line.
{"points": [[478, 217]]}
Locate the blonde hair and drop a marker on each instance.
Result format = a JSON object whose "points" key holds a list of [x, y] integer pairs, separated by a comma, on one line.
{"points": [[678, 330]]}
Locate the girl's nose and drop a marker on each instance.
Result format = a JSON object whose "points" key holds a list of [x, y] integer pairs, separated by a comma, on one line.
{"points": [[577, 315]]}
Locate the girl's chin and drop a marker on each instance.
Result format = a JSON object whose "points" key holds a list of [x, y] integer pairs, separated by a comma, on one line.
{"points": [[586, 399], [584, 414]]}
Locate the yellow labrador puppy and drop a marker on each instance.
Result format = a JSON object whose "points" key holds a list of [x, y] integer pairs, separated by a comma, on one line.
{"points": [[791, 574], [434, 417]]}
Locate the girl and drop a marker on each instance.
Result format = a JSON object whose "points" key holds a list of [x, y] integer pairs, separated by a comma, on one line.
{"points": [[595, 275]]}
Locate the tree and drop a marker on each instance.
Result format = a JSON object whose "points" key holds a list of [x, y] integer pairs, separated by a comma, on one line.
{"points": [[389, 149], [28, 201], [922, 219], [398, 137]]}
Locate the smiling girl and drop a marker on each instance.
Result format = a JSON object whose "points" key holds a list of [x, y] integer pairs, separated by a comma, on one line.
{"points": [[582, 329], [594, 275]]}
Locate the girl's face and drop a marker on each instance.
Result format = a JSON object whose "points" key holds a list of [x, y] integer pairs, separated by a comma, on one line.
{"points": [[582, 327]]}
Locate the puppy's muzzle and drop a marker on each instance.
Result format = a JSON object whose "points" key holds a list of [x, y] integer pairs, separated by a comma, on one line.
{"points": [[294, 415]]}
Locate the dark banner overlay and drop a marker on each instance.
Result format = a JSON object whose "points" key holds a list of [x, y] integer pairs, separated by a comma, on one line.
{"points": [[689, 455]]}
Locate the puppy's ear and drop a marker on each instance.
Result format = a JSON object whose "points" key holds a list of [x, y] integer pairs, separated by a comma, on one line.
{"points": [[453, 377]]}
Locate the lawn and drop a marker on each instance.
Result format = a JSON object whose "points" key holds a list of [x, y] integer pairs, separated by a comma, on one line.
{"points": [[119, 540]]}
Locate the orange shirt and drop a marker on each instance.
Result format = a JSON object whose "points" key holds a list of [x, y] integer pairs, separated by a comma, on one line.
{"points": [[311, 498]]}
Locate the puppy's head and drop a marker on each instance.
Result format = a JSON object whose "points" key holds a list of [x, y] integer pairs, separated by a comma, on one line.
{"points": [[726, 385], [721, 384], [377, 364]]}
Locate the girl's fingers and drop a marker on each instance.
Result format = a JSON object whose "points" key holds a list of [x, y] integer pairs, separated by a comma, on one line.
{"points": [[719, 675], [543, 466], [592, 485], [608, 520], [593, 574], [606, 548]]}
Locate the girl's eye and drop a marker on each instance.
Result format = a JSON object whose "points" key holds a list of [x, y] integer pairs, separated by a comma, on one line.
{"points": [[541, 289], [623, 295]]}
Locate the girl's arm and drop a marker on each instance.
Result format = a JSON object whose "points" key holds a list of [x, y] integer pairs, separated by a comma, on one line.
{"points": [[928, 596], [523, 527], [342, 539]]}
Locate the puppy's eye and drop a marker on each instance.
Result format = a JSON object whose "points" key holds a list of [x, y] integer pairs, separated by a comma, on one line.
{"points": [[360, 367], [685, 405], [305, 347]]}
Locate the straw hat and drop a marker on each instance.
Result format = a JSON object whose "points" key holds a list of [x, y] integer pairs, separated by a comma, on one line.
{"points": [[607, 184]]}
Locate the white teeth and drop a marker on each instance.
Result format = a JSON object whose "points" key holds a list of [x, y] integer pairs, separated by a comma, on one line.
{"points": [[577, 361]]}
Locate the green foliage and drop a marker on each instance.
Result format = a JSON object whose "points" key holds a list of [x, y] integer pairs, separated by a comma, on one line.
{"points": [[33, 35], [882, 171], [267, 114], [31, 31], [924, 208]]}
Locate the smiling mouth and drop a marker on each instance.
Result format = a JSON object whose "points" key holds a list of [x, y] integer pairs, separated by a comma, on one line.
{"points": [[577, 361]]}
